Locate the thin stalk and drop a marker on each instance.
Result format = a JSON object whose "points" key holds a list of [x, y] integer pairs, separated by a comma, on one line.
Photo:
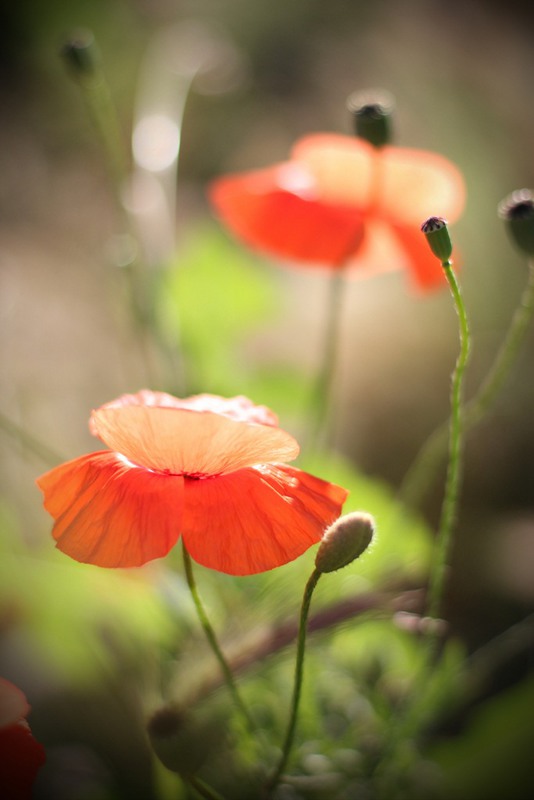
{"points": [[409, 718], [297, 685], [456, 431], [427, 462], [203, 789], [213, 641], [324, 383]]}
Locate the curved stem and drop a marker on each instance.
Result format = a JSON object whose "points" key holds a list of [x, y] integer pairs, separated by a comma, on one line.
{"points": [[452, 484], [430, 456], [297, 685], [213, 642], [203, 789]]}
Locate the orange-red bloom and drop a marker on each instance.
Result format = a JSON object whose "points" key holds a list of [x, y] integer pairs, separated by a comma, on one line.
{"points": [[341, 202], [206, 468], [21, 756]]}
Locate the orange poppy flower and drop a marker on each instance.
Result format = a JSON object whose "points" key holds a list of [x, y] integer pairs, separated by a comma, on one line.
{"points": [[341, 202], [21, 755], [206, 468]]}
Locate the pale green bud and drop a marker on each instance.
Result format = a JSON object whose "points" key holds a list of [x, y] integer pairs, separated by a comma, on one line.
{"points": [[371, 113], [437, 236], [344, 541], [517, 210]]}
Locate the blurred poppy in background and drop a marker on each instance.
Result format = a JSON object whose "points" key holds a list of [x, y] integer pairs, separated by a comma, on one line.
{"points": [[206, 468], [21, 755], [342, 203]]}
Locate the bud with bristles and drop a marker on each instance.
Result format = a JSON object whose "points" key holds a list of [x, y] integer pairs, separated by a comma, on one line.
{"points": [[517, 210], [371, 113], [344, 541], [437, 236]]}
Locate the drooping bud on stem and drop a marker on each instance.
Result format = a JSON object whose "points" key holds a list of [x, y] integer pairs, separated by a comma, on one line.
{"points": [[344, 541], [371, 112], [517, 211], [437, 236]]}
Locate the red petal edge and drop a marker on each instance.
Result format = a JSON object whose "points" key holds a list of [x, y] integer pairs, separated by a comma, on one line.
{"points": [[110, 513], [258, 518]]}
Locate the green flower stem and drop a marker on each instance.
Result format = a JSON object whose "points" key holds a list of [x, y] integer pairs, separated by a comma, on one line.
{"points": [[212, 639], [456, 430], [297, 685], [431, 455], [324, 383], [203, 789]]}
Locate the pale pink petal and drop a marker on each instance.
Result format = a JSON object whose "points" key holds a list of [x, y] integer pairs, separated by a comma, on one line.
{"points": [[186, 442], [239, 408], [404, 185], [419, 184]]}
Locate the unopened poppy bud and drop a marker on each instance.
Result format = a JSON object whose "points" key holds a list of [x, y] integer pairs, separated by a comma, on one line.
{"points": [[344, 541], [517, 210], [437, 236], [80, 54], [181, 743], [371, 112]]}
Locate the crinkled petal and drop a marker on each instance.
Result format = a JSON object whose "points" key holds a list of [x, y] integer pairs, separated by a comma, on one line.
{"points": [[279, 211], [258, 518], [13, 703], [180, 441], [404, 185], [111, 513], [239, 408]]}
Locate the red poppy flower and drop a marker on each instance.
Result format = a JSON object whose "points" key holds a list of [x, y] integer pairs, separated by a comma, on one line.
{"points": [[21, 756], [341, 202], [209, 469]]}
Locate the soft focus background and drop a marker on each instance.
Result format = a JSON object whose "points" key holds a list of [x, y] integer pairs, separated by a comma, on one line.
{"points": [[268, 72]]}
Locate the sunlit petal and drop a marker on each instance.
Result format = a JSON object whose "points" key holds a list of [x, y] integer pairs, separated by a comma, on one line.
{"points": [[258, 518], [110, 513], [179, 441], [419, 184], [401, 184], [343, 167]]}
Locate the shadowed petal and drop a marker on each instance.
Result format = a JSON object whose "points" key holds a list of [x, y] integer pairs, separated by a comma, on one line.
{"points": [[110, 513], [13, 703], [279, 211], [21, 757], [179, 441], [258, 518]]}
